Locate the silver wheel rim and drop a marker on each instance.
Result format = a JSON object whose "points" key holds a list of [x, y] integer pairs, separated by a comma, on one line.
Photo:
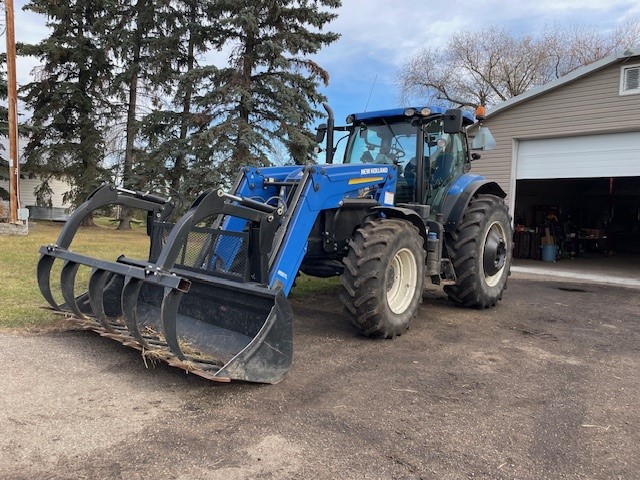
{"points": [[498, 255], [402, 284]]}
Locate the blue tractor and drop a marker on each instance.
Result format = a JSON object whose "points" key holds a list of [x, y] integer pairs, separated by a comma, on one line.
{"points": [[211, 297]]}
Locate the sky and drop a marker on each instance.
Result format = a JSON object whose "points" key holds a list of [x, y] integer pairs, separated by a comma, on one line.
{"points": [[379, 36]]}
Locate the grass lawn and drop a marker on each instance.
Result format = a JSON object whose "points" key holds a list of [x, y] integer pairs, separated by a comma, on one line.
{"points": [[21, 302], [23, 307]]}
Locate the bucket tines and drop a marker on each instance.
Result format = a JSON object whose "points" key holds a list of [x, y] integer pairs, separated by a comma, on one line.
{"points": [[206, 309]]}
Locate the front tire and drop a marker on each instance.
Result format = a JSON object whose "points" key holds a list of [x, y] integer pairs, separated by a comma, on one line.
{"points": [[383, 277], [480, 250]]}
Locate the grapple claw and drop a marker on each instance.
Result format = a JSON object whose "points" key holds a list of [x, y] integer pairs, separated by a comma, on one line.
{"points": [[184, 305], [169, 316], [97, 284], [130, 294], [67, 281], [43, 272]]}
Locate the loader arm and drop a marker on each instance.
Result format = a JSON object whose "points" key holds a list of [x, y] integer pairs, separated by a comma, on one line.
{"points": [[308, 191], [323, 188]]}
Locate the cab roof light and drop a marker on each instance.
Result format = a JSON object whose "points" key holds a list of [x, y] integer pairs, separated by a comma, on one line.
{"points": [[480, 112], [410, 112]]}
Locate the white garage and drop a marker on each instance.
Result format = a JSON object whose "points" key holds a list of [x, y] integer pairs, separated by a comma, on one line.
{"points": [[568, 154]]}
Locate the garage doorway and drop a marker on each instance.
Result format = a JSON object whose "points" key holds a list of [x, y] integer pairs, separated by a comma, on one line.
{"points": [[584, 217]]}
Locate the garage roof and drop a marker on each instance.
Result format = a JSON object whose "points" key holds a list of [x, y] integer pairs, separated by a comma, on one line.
{"points": [[570, 77]]}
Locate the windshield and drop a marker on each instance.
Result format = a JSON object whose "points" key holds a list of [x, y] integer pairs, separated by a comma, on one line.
{"points": [[443, 158], [388, 143], [393, 143]]}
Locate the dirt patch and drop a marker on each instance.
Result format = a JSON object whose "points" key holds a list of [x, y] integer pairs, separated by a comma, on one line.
{"points": [[543, 386]]}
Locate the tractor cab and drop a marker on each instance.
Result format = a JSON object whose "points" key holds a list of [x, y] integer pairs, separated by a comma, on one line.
{"points": [[427, 146]]}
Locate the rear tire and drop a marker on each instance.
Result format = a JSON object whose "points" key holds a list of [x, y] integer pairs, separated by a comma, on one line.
{"points": [[383, 277], [480, 250]]}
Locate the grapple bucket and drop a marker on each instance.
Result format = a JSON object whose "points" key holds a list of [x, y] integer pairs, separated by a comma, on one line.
{"points": [[201, 302]]}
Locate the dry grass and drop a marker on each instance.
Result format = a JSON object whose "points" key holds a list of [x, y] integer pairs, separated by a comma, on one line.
{"points": [[21, 302]]}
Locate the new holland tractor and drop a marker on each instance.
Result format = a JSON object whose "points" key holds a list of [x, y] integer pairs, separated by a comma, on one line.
{"points": [[211, 297]]}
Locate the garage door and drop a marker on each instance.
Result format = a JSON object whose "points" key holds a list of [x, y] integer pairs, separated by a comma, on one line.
{"points": [[611, 155]]}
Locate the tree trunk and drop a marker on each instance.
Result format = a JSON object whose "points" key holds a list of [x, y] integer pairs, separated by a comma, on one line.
{"points": [[88, 221], [125, 212], [179, 167], [242, 155], [89, 162]]}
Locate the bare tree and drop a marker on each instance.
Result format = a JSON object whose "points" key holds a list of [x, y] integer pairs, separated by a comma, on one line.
{"points": [[488, 67]]}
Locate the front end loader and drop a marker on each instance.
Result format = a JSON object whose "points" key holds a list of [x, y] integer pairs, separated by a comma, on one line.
{"points": [[211, 295]]}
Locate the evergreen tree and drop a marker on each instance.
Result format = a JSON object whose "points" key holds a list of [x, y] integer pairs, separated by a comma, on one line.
{"points": [[69, 97], [176, 156], [268, 91], [143, 41]]}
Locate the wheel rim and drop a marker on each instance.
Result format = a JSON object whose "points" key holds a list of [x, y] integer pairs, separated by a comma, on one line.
{"points": [[494, 255], [402, 279]]}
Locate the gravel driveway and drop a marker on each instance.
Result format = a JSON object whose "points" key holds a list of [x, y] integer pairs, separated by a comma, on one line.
{"points": [[544, 386]]}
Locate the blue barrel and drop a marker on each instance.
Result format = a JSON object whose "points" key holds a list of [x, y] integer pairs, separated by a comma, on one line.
{"points": [[549, 253]]}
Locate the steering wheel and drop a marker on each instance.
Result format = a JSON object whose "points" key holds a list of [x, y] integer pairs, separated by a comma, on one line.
{"points": [[396, 152]]}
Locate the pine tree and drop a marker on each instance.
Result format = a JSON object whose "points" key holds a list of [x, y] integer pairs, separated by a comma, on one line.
{"points": [[268, 92], [175, 154], [69, 97], [142, 40]]}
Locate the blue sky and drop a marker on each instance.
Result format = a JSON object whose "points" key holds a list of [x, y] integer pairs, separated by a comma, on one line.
{"points": [[378, 36]]}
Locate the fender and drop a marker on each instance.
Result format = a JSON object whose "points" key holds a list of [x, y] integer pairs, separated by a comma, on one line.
{"points": [[459, 196], [404, 214]]}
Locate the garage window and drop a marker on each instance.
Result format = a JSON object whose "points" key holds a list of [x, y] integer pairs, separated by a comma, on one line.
{"points": [[630, 80]]}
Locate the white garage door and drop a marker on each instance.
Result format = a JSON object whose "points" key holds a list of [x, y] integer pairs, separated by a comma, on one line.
{"points": [[611, 155]]}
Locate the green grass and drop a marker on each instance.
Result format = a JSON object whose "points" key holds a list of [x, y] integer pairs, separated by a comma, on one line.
{"points": [[21, 302], [307, 287], [22, 305]]}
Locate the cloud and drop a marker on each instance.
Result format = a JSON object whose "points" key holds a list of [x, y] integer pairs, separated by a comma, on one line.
{"points": [[378, 36]]}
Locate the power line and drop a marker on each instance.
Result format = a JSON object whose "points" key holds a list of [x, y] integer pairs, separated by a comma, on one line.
{"points": [[370, 92]]}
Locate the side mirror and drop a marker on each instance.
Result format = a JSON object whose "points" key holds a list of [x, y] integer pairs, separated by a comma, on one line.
{"points": [[453, 121], [475, 156], [483, 140], [320, 132]]}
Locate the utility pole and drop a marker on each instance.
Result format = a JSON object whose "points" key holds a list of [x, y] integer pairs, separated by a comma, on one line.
{"points": [[14, 167]]}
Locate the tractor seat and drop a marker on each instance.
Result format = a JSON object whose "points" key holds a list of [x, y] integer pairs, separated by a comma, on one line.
{"points": [[442, 168]]}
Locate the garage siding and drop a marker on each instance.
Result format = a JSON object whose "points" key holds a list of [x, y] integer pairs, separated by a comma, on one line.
{"points": [[589, 105]]}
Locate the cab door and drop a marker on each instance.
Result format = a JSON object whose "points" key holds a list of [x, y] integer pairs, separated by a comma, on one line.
{"points": [[447, 154]]}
